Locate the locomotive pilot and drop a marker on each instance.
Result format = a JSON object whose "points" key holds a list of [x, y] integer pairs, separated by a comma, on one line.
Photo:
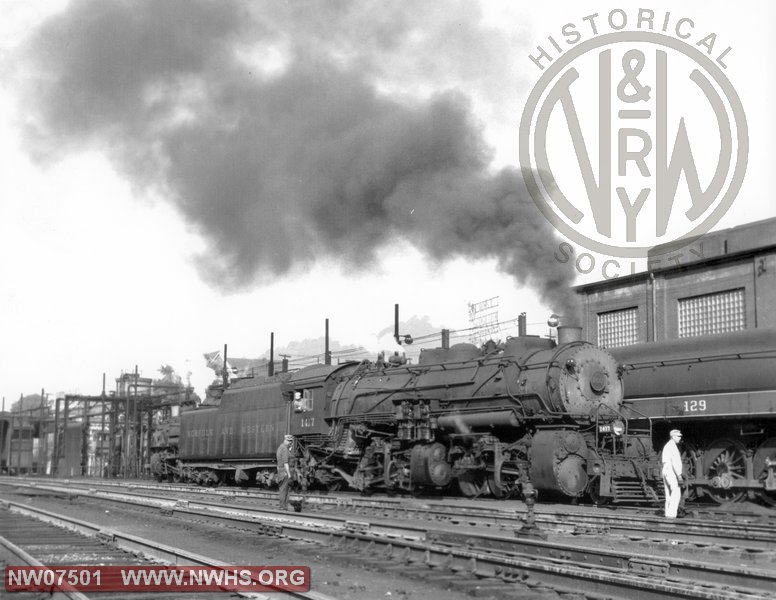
{"points": [[284, 470], [672, 473]]}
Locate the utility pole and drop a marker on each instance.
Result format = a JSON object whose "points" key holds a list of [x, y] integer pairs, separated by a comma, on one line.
{"points": [[10, 440], [41, 436], [65, 418], [102, 432], [19, 437], [327, 354], [55, 454]]}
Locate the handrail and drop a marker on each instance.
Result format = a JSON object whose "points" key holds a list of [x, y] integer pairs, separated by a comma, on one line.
{"points": [[625, 420]]}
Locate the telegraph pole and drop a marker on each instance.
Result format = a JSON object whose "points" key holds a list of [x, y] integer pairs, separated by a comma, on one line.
{"points": [[41, 437]]}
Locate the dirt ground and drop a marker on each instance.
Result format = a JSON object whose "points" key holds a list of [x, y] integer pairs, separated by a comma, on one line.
{"points": [[331, 574]]}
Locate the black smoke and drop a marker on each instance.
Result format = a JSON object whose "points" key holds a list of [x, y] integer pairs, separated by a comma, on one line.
{"points": [[285, 132]]}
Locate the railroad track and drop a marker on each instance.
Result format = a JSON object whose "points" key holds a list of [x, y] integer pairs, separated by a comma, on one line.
{"points": [[36, 537], [765, 515], [494, 558], [695, 535]]}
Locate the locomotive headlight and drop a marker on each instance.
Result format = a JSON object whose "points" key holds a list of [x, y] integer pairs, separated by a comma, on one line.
{"points": [[553, 321], [618, 428]]}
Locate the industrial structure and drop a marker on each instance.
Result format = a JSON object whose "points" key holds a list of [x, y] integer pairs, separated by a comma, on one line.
{"points": [[724, 281], [76, 435]]}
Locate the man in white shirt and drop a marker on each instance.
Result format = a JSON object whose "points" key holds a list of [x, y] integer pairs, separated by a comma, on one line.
{"points": [[672, 473]]}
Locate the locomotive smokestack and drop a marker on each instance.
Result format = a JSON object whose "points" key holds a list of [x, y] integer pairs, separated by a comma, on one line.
{"points": [[568, 334], [521, 325]]}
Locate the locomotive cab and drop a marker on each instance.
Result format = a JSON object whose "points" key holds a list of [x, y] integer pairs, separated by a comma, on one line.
{"points": [[311, 398]]}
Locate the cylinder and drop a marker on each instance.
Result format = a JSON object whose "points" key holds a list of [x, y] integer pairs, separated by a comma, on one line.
{"points": [[568, 334], [429, 466], [558, 462]]}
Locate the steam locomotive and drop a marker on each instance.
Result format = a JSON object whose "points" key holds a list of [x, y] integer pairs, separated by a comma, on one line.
{"points": [[720, 390], [487, 420]]}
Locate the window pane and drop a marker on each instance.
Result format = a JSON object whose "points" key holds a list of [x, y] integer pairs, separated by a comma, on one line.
{"points": [[618, 328], [712, 313]]}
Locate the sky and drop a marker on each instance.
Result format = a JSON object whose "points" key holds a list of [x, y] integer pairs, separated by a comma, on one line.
{"points": [[180, 175]]}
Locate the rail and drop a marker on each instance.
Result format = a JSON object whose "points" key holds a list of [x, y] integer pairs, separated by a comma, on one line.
{"points": [[617, 573], [134, 544]]}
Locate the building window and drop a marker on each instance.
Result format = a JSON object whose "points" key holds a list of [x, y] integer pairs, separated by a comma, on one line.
{"points": [[712, 313], [618, 327]]}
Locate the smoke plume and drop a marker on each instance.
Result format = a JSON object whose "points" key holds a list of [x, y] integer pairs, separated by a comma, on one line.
{"points": [[284, 132]]}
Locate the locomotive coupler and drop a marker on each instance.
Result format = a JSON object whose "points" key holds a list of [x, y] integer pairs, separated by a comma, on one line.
{"points": [[530, 529]]}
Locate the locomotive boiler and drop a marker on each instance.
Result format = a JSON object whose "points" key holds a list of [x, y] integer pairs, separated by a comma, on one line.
{"points": [[485, 420], [488, 419], [720, 390]]}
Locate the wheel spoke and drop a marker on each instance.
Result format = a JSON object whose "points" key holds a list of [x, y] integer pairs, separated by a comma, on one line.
{"points": [[471, 483], [725, 463]]}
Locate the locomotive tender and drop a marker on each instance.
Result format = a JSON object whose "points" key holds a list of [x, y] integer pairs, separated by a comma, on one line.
{"points": [[720, 390], [486, 419]]}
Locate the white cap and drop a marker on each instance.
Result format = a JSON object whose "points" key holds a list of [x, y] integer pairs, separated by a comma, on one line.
{"points": [[675, 432], [289, 438]]}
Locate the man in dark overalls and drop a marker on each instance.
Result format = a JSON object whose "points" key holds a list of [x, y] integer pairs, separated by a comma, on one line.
{"points": [[284, 470]]}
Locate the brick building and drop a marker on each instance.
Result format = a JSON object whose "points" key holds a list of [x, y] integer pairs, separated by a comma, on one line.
{"points": [[724, 281]]}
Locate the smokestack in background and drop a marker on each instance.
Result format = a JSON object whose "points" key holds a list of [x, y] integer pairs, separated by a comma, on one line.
{"points": [[396, 323], [225, 370], [271, 363], [446, 339], [327, 352]]}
